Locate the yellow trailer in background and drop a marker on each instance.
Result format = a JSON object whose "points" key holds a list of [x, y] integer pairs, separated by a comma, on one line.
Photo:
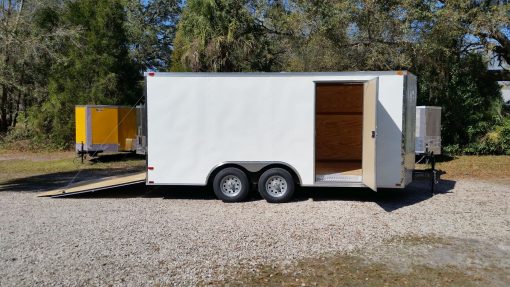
{"points": [[101, 128]]}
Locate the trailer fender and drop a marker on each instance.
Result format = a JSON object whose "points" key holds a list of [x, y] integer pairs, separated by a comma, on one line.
{"points": [[254, 168]]}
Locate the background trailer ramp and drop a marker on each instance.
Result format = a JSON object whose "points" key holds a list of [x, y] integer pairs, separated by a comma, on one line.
{"points": [[97, 185]]}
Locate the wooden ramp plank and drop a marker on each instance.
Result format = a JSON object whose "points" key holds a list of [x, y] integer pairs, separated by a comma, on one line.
{"points": [[96, 185]]}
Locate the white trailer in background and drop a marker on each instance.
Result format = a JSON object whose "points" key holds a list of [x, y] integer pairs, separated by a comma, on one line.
{"points": [[279, 130], [428, 130]]}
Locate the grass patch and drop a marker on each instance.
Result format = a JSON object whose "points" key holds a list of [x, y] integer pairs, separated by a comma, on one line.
{"points": [[344, 270], [29, 165], [409, 260], [475, 167]]}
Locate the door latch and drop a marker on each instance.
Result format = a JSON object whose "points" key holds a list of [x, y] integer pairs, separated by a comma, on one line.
{"points": [[373, 134]]}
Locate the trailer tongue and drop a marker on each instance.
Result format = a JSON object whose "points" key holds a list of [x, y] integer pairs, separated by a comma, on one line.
{"points": [[97, 185]]}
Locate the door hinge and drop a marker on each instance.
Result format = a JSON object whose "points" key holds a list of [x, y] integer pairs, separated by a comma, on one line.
{"points": [[373, 134]]}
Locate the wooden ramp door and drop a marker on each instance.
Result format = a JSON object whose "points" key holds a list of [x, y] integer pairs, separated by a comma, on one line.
{"points": [[97, 185], [370, 133]]}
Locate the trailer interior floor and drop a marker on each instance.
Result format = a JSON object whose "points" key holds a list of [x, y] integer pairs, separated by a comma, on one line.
{"points": [[344, 167], [338, 171]]}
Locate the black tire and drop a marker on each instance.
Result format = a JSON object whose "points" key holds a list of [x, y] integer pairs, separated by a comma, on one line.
{"points": [[238, 179], [282, 180]]}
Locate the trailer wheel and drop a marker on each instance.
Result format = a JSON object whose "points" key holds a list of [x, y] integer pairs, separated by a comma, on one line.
{"points": [[231, 185], [276, 185]]}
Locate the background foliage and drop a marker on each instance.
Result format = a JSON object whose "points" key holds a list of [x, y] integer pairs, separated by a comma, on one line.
{"points": [[59, 53]]}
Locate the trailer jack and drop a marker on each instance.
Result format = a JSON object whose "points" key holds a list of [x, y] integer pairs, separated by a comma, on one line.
{"points": [[431, 174], [82, 153]]}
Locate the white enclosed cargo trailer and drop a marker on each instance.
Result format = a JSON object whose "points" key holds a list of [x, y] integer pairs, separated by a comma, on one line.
{"points": [[231, 130]]}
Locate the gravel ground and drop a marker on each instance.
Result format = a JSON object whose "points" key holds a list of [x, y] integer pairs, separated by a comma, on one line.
{"points": [[183, 236]]}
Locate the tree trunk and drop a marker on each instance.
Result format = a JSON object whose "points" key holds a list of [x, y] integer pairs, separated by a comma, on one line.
{"points": [[504, 49], [3, 110], [500, 75]]}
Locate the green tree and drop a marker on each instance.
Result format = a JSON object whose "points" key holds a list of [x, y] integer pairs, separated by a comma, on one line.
{"points": [[221, 36], [151, 27], [487, 25], [99, 71], [452, 69], [31, 40], [349, 35], [470, 99]]}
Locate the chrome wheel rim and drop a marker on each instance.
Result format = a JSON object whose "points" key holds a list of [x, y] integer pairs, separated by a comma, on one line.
{"points": [[231, 185], [276, 186]]}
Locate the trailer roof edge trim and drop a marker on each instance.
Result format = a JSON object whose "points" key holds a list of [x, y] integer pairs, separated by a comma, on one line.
{"points": [[264, 74], [105, 106]]}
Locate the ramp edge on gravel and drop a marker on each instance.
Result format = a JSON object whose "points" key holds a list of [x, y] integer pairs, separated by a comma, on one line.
{"points": [[96, 185]]}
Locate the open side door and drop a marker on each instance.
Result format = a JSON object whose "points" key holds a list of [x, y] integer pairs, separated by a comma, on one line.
{"points": [[370, 133]]}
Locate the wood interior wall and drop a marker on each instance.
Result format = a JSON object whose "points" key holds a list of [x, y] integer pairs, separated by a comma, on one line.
{"points": [[338, 124]]}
